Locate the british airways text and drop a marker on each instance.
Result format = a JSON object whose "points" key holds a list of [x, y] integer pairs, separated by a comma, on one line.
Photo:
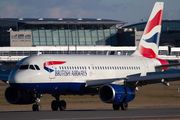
{"points": [[70, 72]]}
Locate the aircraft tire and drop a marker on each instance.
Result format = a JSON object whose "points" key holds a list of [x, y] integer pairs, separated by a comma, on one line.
{"points": [[116, 106], [54, 105], [62, 105], [36, 107], [124, 106]]}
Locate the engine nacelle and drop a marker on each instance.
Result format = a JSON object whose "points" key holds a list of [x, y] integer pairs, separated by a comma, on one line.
{"points": [[113, 93], [14, 96]]}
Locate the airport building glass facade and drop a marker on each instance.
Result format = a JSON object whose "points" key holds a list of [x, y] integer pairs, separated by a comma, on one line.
{"points": [[167, 25], [58, 32], [170, 32], [71, 35]]}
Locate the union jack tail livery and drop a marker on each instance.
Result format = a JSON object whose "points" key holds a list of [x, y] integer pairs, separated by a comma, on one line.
{"points": [[149, 43]]}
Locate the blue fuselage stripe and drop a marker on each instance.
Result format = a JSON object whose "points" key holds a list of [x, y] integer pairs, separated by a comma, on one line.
{"points": [[48, 87]]}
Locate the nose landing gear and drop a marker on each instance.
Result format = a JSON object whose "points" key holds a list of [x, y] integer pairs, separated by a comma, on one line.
{"points": [[37, 106]]}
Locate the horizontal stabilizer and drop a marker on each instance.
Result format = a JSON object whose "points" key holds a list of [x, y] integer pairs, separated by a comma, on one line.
{"points": [[168, 65]]}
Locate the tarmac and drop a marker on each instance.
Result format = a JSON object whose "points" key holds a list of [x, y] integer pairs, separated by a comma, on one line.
{"points": [[95, 114]]}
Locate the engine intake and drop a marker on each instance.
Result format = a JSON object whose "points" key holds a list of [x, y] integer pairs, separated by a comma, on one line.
{"points": [[14, 96], [113, 93]]}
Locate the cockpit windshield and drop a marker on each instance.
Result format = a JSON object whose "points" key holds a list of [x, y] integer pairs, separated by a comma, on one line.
{"points": [[31, 67], [16, 67], [37, 67], [23, 67]]}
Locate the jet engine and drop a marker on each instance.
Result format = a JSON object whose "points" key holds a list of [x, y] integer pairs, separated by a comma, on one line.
{"points": [[113, 93], [14, 96]]}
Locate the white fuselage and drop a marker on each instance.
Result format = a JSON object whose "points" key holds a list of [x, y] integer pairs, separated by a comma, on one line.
{"points": [[79, 68]]}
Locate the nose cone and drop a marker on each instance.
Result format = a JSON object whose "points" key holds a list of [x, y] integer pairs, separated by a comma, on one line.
{"points": [[15, 77], [11, 77]]}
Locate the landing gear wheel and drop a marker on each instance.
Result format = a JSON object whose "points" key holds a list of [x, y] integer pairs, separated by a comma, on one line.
{"points": [[124, 106], [54, 105], [116, 106], [62, 105], [36, 107]]}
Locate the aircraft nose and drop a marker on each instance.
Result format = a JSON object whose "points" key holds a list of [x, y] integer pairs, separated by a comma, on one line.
{"points": [[13, 77]]}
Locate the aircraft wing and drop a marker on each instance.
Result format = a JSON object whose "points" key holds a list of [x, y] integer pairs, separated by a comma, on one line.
{"points": [[154, 77], [137, 80], [4, 75], [101, 82]]}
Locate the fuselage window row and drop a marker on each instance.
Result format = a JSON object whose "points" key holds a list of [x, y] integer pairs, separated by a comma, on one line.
{"points": [[100, 67], [72, 67]]}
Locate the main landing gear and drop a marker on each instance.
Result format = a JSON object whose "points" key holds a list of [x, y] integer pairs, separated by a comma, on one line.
{"points": [[37, 106], [55, 104], [123, 106]]}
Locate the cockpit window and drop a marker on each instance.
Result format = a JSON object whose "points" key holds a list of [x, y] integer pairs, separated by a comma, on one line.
{"points": [[22, 67], [37, 67], [16, 67], [31, 67]]}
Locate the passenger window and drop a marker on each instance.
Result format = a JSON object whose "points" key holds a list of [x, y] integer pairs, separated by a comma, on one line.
{"points": [[23, 67], [37, 67], [31, 67]]}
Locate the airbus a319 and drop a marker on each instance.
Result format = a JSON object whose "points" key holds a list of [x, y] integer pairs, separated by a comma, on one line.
{"points": [[113, 77]]}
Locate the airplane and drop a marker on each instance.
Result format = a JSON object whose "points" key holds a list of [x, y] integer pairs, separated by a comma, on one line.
{"points": [[115, 78]]}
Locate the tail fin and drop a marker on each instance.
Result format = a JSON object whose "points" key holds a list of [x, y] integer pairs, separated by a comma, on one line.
{"points": [[149, 43]]}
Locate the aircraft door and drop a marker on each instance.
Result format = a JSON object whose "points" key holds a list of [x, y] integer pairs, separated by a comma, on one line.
{"points": [[145, 66], [50, 68], [92, 70]]}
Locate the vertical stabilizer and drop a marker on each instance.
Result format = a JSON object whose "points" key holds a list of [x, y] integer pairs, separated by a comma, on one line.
{"points": [[149, 43]]}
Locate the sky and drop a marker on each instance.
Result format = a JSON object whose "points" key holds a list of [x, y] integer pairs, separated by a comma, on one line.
{"points": [[131, 11]]}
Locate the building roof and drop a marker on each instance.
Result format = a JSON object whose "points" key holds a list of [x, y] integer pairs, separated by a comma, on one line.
{"points": [[63, 21], [140, 23]]}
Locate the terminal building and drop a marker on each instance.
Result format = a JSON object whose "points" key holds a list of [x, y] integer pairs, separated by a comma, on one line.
{"points": [[170, 33], [31, 32], [21, 37]]}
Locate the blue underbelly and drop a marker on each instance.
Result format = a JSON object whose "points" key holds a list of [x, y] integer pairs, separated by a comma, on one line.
{"points": [[48, 87]]}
